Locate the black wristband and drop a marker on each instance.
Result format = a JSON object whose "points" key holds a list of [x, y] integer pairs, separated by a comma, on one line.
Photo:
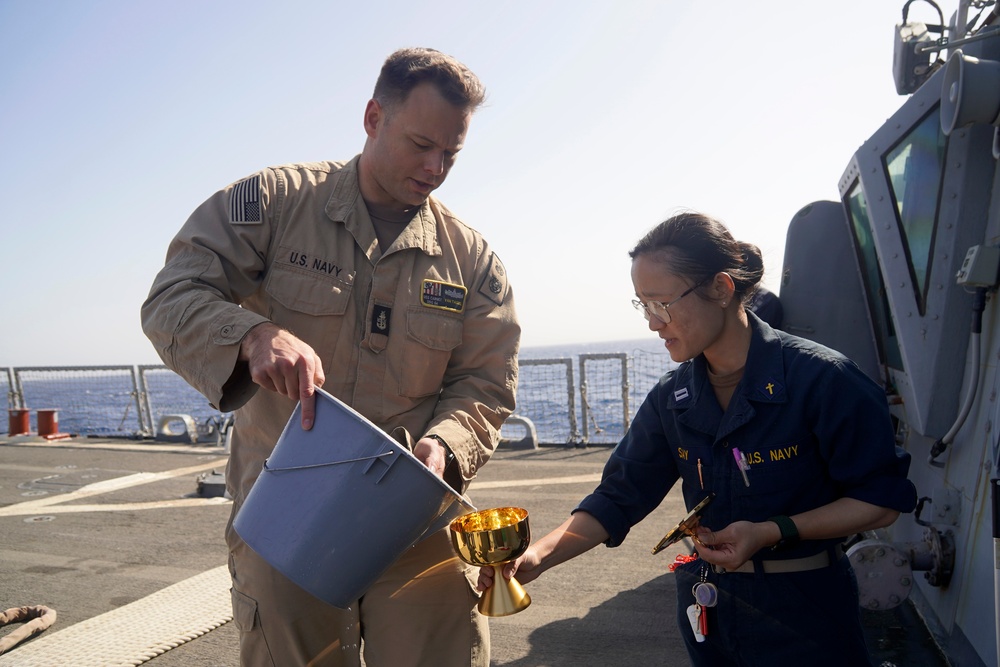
{"points": [[449, 455], [789, 533]]}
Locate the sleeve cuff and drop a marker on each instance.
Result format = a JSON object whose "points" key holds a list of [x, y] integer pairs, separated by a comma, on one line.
{"points": [[608, 515], [893, 492], [227, 379]]}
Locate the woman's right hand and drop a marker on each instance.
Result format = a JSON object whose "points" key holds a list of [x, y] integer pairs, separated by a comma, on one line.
{"points": [[526, 568], [577, 534]]}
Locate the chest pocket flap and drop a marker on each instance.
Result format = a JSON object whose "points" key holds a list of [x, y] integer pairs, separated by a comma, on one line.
{"points": [[310, 292], [434, 330], [423, 360]]}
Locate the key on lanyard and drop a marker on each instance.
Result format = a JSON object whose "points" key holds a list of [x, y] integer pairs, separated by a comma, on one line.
{"points": [[695, 615]]}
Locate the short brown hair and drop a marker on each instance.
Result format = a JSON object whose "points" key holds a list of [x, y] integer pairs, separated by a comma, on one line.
{"points": [[406, 68]]}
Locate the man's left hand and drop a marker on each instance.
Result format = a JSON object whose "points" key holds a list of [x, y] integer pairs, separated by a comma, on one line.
{"points": [[432, 454]]}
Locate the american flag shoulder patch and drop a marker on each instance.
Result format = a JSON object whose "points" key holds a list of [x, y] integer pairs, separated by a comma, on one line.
{"points": [[244, 202]]}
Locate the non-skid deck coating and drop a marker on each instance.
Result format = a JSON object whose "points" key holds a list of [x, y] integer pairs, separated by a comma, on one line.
{"points": [[137, 632], [137, 571]]}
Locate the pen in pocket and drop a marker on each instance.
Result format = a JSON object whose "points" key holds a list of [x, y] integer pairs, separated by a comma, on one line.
{"points": [[741, 463]]}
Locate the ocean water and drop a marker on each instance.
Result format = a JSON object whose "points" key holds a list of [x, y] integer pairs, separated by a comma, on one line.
{"points": [[606, 391], [585, 395]]}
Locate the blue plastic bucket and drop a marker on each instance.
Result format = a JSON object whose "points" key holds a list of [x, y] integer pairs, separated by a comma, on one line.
{"points": [[335, 506]]}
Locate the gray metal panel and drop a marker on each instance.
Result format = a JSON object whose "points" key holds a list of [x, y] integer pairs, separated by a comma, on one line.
{"points": [[823, 299], [934, 344]]}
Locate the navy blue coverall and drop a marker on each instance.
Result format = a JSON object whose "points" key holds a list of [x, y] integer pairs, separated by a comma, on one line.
{"points": [[814, 428]]}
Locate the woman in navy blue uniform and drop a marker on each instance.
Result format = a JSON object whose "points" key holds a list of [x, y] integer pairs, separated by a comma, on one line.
{"points": [[794, 443]]}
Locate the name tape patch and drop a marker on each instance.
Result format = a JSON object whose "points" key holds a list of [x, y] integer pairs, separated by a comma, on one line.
{"points": [[446, 296]]}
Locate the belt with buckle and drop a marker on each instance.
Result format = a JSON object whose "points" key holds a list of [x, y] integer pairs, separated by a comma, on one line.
{"points": [[814, 562]]}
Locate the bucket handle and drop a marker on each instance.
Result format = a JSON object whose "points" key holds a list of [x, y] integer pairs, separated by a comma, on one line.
{"points": [[330, 463]]}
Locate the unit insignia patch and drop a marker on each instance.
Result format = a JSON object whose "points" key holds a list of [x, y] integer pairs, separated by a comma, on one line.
{"points": [[494, 285]]}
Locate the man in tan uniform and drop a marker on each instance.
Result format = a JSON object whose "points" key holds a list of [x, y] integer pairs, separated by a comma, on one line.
{"points": [[351, 277]]}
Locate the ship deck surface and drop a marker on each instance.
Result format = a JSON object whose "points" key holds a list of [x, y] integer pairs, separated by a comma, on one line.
{"points": [[115, 537]]}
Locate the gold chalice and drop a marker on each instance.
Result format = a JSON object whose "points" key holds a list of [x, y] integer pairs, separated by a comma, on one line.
{"points": [[494, 537]]}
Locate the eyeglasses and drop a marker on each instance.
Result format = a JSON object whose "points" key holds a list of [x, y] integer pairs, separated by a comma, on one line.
{"points": [[658, 309]]}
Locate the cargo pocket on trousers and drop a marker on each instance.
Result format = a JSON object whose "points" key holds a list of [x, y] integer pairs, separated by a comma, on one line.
{"points": [[472, 578], [244, 611]]}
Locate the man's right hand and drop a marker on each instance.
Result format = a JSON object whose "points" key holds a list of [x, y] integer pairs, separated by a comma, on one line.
{"points": [[285, 364]]}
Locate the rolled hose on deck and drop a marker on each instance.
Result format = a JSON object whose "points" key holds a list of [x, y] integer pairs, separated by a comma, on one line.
{"points": [[35, 618]]}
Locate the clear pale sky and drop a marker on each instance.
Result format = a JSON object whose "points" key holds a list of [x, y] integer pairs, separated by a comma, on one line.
{"points": [[119, 117]]}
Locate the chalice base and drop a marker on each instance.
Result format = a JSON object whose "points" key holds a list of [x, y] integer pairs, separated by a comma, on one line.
{"points": [[504, 597]]}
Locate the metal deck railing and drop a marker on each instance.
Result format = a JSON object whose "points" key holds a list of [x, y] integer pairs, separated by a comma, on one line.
{"points": [[137, 401]]}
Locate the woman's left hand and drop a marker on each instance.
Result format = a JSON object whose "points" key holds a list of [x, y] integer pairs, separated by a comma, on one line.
{"points": [[735, 544]]}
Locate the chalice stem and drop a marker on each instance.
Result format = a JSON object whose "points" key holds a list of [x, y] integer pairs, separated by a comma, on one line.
{"points": [[504, 597]]}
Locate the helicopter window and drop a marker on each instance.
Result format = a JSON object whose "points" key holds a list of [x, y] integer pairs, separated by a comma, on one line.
{"points": [[871, 273], [914, 168]]}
